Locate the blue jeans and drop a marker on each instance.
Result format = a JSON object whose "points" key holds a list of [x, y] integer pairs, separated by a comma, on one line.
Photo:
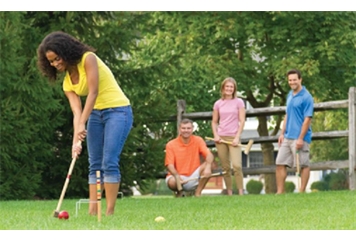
{"points": [[107, 131]]}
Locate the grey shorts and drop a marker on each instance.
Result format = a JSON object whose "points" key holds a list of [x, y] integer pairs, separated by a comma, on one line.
{"points": [[287, 154], [191, 185]]}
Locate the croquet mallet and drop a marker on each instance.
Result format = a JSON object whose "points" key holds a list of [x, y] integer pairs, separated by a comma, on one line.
{"points": [[200, 177], [247, 147], [179, 185], [298, 171], [71, 167]]}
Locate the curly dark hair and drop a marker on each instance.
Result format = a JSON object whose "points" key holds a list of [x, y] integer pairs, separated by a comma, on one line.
{"points": [[65, 46]]}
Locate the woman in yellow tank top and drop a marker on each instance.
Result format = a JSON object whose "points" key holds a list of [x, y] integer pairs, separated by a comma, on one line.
{"points": [[106, 118]]}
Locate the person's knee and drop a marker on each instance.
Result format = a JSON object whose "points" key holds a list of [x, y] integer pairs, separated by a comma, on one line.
{"points": [[238, 169], [281, 167], [226, 166], [171, 184], [306, 168], [203, 166]]}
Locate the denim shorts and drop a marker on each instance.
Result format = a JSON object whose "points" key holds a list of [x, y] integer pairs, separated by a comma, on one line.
{"points": [[107, 131]]}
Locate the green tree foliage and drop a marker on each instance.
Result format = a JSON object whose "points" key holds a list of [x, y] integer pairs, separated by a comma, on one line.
{"points": [[29, 111], [36, 120], [330, 149]]}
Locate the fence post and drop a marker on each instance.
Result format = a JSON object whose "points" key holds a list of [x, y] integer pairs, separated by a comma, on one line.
{"points": [[352, 138], [180, 111]]}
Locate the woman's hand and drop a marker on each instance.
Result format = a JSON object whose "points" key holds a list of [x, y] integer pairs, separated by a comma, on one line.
{"points": [[235, 141], [217, 139], [76, 150], [82, 133]]}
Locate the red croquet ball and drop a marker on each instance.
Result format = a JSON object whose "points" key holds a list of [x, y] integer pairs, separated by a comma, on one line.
{"points": [[63, 215]]}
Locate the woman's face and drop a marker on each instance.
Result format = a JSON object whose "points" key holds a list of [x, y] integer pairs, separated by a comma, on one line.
{"points": [[229, 88], [56, 61]]}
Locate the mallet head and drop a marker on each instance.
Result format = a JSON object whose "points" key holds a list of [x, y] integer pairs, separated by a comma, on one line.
{"points": [[55, 214], [248, 147]]}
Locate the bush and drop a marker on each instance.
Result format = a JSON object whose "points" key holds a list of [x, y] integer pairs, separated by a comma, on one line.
{"points": [[289, 187], [332, 181], [254, 187], [319, 186], [162, 188], [337, 180], [148, 186]]}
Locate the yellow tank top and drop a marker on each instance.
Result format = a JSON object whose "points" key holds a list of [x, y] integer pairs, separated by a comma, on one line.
{"points": [[109, 94]]}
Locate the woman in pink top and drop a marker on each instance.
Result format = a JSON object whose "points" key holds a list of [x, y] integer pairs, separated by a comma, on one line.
{"points": [[227, 124]]}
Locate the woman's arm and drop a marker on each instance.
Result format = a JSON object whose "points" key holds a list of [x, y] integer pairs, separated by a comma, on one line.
{"points": [[242, 118], [214, 125], [92, 73], [76, 106]]}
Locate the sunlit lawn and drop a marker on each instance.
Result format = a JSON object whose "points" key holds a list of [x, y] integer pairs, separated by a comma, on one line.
{"points": [[311, 211]]}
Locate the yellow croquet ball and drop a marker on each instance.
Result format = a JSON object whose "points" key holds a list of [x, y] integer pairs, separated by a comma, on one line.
{"points": [[160, 219]]}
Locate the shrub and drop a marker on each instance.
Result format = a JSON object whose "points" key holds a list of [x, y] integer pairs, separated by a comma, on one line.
{"points": [[254, 187], [289, 187], [337, 180], [319, 186], [149, 186], [162, 188]]}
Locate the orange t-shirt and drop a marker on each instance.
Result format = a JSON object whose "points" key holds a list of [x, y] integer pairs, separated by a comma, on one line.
{"points": [[185, 157]]}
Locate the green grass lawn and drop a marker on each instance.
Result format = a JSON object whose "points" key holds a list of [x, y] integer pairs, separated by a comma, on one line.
{"points": [[332, 210]]}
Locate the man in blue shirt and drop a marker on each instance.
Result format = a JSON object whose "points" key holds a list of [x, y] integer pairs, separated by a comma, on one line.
{"points": [[295, 137]]}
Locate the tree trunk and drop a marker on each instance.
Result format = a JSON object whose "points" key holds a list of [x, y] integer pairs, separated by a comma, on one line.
{"points": [[268, 156]]}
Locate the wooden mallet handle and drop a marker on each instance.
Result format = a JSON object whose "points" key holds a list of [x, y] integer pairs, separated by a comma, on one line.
{"points": [[298, 171], [64, 189], [247, 147], [179, 185], [200, 177]]}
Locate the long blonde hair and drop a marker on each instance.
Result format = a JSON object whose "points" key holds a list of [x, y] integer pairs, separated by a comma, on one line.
{"points": [[228, 79]]}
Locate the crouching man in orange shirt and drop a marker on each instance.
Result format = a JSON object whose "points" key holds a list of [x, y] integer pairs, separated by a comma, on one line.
{"points": [[183, 161]]}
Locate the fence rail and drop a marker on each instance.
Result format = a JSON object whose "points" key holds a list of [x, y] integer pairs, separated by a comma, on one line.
{"points": [[315, 166], [267, 111]]}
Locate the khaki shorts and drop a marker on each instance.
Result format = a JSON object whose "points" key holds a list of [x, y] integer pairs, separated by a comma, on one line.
{"points": [[191, 185], [287, 154]]}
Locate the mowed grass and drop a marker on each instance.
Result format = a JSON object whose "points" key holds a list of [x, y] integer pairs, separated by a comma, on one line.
{"points": [[332, 210]]}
